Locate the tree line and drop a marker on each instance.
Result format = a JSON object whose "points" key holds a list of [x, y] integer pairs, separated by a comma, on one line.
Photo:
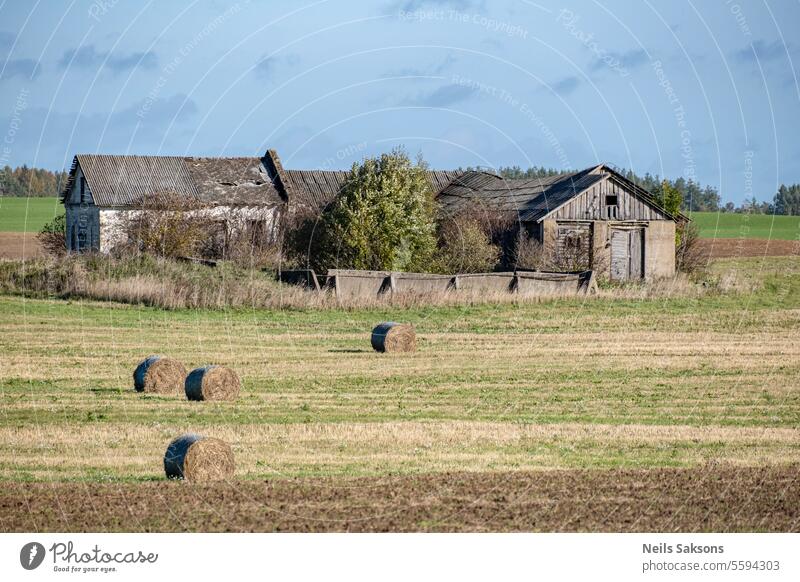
{"points": [[31, 182]]}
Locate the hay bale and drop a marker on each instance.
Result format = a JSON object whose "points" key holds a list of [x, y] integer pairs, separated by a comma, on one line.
{"points": [[212, 383], [394, 337], [197, 458], [159, 375]]}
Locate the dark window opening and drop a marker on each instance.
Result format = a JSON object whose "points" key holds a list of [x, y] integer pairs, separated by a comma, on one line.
{"points": [[83, 190], [612, 207]]}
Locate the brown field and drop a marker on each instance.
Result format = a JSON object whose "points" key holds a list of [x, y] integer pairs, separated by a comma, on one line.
{"points": [[20, 245], [708, 498], [722, 248]]}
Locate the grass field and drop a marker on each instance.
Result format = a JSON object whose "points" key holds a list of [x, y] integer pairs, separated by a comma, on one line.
{"points": [[747, 226], [27, 214], [493, 390]]}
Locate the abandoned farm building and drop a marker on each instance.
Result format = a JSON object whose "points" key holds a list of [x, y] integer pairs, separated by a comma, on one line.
{"points": [[618, 226]]}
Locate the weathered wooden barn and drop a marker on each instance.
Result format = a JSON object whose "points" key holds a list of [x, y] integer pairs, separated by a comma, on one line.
{"points": [[620, 229], [596, 214]]}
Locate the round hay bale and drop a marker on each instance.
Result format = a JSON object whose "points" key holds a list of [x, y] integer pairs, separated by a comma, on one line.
{"points": [[212, 383], [159, 375], [197, 458], [394, 337]]}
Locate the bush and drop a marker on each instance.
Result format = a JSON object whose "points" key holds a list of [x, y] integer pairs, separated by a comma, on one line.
{"points": [[168, 230], [464, 247], [53, 236], [529, 253], [689, 255]]}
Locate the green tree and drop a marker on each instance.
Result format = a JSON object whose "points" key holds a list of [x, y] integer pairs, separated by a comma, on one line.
{"points": [[670, 197], [383, 219], [787, 200]]}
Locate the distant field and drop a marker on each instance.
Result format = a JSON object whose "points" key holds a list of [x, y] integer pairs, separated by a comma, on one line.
{"points": [[747, 226], [27, 214]]}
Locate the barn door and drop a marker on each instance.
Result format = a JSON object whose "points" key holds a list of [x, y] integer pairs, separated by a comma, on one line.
{"points": [[620, 259], [627, 254]]}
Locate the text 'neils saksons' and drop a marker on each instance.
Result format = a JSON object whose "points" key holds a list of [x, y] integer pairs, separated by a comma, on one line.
{"points": [[663, 548]]}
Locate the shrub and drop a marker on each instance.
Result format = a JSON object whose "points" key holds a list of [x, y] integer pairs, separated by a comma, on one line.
{"points": [[464, 247], [175, 229], [689, 255], [529, 253], [53, 236]]}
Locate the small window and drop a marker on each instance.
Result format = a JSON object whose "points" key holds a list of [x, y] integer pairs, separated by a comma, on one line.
{"points": [[83, 190], [611, 200]]}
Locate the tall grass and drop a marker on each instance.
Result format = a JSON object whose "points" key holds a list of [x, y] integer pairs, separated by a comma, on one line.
{"points": [[171, 284]]}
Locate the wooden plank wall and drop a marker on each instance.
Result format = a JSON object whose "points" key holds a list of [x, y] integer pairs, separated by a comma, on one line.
{"points": [[590, 205]]}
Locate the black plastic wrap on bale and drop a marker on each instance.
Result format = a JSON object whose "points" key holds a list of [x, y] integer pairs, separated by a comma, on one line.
{"points": [[394, 337]]}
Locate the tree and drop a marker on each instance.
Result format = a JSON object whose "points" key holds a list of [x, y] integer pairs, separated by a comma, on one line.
{"points": [[787, 200], [383, 219], [670, 197]]}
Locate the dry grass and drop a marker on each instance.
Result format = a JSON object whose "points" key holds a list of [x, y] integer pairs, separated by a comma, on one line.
{"points": [[127, 451], [504, 393], [174, 285], [497, 387], [561, 384]]}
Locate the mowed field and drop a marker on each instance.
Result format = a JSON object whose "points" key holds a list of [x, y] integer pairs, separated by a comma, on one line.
{"points": [[663, 414]]}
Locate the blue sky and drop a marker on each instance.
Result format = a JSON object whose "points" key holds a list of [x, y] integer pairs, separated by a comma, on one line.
{"points": [[701, 89]]}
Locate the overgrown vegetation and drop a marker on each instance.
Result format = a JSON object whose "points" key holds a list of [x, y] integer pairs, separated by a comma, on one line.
{"points": [[52, 236], [383, 219], [465, 246], [187, 228]]}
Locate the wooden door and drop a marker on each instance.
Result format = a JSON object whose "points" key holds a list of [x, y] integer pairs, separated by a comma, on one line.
{"points": [[627, 254], [620, 258]]}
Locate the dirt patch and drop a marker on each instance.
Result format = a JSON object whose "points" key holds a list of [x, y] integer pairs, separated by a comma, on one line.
{"points": [[711, 498], [20, 245], [721, 248]]}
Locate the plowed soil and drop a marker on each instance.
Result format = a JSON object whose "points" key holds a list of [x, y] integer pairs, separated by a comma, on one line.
{"points": [[710, 498], [749, 247], [20, 245]]}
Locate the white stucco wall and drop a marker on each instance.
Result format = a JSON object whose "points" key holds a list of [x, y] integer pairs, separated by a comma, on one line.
{"points": [[112, 221]]}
